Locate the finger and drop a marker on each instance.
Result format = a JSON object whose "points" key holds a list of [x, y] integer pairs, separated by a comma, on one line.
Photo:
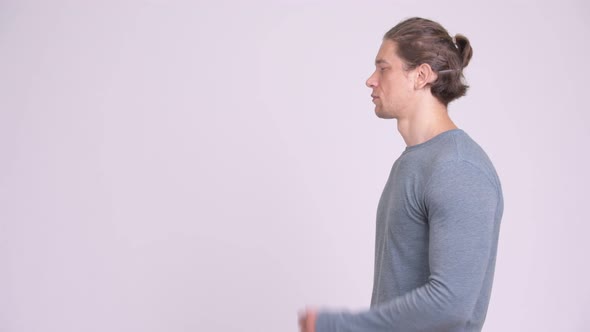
{"points": [[303, 323], [310, 320]]}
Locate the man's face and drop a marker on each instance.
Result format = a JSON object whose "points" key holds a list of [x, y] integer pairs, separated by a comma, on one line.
{"points": [[392, 86]]}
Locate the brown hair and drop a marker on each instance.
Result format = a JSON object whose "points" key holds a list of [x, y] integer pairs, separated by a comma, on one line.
{"points": [[424, 41]]}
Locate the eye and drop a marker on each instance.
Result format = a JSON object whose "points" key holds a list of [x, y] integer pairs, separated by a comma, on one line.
{"points": [[383, 69]]}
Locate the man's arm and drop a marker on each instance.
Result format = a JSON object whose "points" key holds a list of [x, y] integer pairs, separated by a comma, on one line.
{"points": [[461, 204]]}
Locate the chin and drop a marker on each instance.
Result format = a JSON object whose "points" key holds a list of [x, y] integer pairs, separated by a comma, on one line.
{"points": [[382, 115]]}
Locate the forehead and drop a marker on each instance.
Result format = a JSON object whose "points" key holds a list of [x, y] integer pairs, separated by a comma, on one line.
{"points": [[387, 53]]}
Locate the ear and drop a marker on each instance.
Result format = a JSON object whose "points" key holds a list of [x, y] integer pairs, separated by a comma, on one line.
{"points": [[424, 76]]}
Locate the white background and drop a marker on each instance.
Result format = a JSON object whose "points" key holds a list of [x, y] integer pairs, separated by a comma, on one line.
{"points": [[216, 166]]}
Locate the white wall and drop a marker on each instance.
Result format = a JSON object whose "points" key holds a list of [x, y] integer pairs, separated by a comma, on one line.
{"points": [[186, 166]]}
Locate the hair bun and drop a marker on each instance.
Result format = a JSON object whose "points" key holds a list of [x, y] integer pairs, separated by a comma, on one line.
{"points": [[464, 48]]}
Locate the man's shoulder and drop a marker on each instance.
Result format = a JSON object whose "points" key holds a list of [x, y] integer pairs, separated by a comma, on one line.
{"points": [[458, 147], [455, 150]]}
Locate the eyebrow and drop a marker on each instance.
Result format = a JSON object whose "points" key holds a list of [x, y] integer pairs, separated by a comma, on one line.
{"points": [[381, 61]]}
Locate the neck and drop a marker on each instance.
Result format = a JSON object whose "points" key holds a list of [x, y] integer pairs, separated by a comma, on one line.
{"points": [[425, 122]]}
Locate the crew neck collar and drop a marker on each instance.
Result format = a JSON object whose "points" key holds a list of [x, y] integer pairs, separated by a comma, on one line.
{"points": [[433, 140]]}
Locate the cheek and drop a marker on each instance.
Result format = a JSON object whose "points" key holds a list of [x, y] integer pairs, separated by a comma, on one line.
{"points": [[387, 83], [388, 86], [383, 82]]}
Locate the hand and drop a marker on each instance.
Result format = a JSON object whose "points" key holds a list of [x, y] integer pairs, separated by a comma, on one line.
{"points": [[307, 320]]}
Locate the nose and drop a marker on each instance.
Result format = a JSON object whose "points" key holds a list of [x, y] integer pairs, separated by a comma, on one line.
{"points": [[371, 81]]}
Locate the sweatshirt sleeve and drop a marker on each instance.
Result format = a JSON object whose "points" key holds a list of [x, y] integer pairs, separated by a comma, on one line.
{"points": [[461, 204]]}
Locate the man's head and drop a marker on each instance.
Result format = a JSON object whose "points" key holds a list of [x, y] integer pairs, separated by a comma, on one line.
{"points": [[418, 59]]}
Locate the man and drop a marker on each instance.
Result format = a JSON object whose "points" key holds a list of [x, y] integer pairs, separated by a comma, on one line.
{"points": [[439, 216]]}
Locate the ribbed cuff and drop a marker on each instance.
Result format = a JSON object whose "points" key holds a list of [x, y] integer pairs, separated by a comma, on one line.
{"points": [[327, 321]]}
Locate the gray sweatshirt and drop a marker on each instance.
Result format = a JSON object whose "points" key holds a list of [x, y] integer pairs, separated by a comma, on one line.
{"points": [[438, 222]]}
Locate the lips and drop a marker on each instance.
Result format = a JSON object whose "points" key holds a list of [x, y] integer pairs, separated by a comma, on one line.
{"points": [[374, 97]]}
